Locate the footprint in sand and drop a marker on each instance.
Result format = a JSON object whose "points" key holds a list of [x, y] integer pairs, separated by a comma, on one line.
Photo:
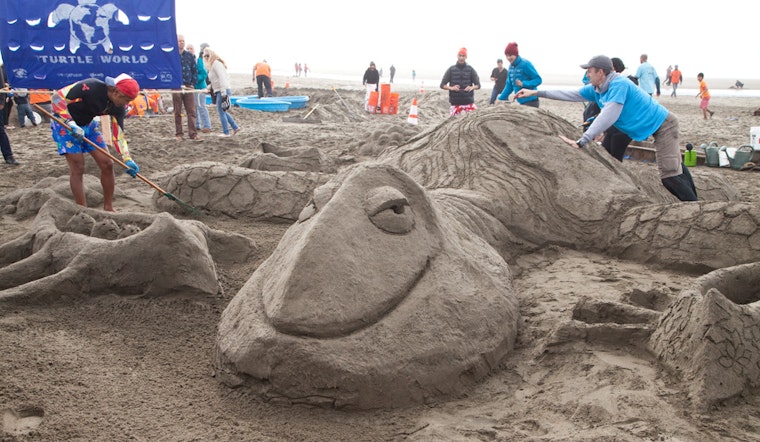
{"points": [[22, 421]]}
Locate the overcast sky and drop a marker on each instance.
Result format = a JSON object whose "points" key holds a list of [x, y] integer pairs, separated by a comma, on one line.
{"points": [[425, 35]]}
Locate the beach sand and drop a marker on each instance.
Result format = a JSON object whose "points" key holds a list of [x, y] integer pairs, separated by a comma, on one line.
{"points": [[115, 368]]}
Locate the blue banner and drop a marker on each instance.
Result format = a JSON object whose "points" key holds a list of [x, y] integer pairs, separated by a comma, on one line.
{"points": [[48, 44]]}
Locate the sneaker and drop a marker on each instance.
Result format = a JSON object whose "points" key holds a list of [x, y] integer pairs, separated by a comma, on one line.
{"points": [[224, 135], [12, 161]]}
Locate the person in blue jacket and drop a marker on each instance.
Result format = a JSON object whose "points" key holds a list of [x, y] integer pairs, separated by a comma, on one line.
{"points": [[633, 112], [521, 75]]}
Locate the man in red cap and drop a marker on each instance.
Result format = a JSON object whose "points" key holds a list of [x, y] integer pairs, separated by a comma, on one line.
{"points": [[78, 104], [521, 75], [461, 81]]}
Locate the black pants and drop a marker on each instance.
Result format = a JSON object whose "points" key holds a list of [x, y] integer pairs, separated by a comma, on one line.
{"points": [[616, 142], [5, 143], [682, 186]]}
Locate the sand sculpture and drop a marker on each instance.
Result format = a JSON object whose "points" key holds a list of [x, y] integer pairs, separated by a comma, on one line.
{"points": [[74, 252], [393, 286], [273, 184]]}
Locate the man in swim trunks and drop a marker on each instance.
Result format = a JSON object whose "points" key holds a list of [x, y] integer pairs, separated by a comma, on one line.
{"points": [[78, 104]]}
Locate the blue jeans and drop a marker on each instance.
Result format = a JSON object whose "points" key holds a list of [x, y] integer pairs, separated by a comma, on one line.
{"points": [[225, 116], [494, 94], [25, 110], [202, 119], [682, 186]]}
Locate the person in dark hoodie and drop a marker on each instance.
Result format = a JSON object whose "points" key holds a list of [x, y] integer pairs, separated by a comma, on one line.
{"points": [[371, 82], [461, 81]]}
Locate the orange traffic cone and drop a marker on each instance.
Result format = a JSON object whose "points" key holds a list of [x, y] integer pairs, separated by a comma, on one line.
{"points": [[422, 87], [413, 113]]}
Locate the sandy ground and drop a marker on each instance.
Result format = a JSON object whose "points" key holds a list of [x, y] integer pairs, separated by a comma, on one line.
{"points": [[112, 368]]}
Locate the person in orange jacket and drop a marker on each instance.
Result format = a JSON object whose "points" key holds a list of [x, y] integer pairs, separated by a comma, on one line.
{"points": [[262, 75]]}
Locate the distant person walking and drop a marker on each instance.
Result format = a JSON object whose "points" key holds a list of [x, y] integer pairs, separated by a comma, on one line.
{"points": [[392, 70], [220, 82], [647, 76], [667, 75], [521, 75], [704, 94], [636, 114], [461, 81], [185, 96], [499, 77], [202, 119], [371, 82], [675, 80], [262, 74]]}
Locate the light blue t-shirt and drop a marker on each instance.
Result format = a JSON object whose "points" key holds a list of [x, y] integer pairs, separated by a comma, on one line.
{"points": [[647, 76], [641, 115]]}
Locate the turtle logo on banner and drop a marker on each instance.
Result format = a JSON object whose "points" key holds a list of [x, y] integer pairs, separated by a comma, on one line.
{"points": [[48, 44], [89, 23]]}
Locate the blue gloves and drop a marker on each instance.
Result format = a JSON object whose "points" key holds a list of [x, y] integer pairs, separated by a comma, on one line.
{"points": [[76, 131], [133, 169]]}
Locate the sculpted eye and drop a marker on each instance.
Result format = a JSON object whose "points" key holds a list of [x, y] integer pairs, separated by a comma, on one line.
{"points": [[389, 210]]}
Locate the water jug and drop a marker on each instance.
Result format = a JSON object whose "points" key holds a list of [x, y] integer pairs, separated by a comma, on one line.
{"points": [[690, 156], [743, 154], [712, 154]]}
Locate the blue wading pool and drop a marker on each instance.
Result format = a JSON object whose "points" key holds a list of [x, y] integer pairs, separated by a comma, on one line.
{"points": [[233, 99], [296, 101], [264, 104]]}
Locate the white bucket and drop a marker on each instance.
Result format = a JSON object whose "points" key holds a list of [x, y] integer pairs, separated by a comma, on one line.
{"points": [[754, 138], [38, 119]]}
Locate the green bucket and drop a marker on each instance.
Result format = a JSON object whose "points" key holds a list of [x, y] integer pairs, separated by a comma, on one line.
{"points": [[743, 154]]}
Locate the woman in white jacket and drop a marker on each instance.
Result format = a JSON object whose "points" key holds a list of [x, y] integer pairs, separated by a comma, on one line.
{"points": [[220, 83]]}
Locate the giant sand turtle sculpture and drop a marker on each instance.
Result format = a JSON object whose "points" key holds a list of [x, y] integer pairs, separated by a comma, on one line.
{"points": [[393, 287]]}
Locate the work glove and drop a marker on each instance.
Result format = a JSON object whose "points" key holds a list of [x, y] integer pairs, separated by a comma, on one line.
{"points": [[133, 168], [76, 131]]}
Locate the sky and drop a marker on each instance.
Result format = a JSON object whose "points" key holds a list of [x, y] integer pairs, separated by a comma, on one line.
{"points": [[340, 36]]}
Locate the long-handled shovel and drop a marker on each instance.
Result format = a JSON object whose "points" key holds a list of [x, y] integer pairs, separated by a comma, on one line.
{"points": [[351, 113], [121, 163]]}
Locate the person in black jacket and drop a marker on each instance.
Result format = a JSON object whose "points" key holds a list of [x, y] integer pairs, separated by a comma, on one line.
{"points": [[371, 81], [461, 81]]}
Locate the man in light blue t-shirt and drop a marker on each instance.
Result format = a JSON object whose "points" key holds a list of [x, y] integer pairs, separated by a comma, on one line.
{"points": [[634, 113], [647, 75]]}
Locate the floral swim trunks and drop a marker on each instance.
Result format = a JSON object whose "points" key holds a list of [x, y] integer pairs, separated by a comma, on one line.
{"points": [[462, 109], [67, 143]]}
